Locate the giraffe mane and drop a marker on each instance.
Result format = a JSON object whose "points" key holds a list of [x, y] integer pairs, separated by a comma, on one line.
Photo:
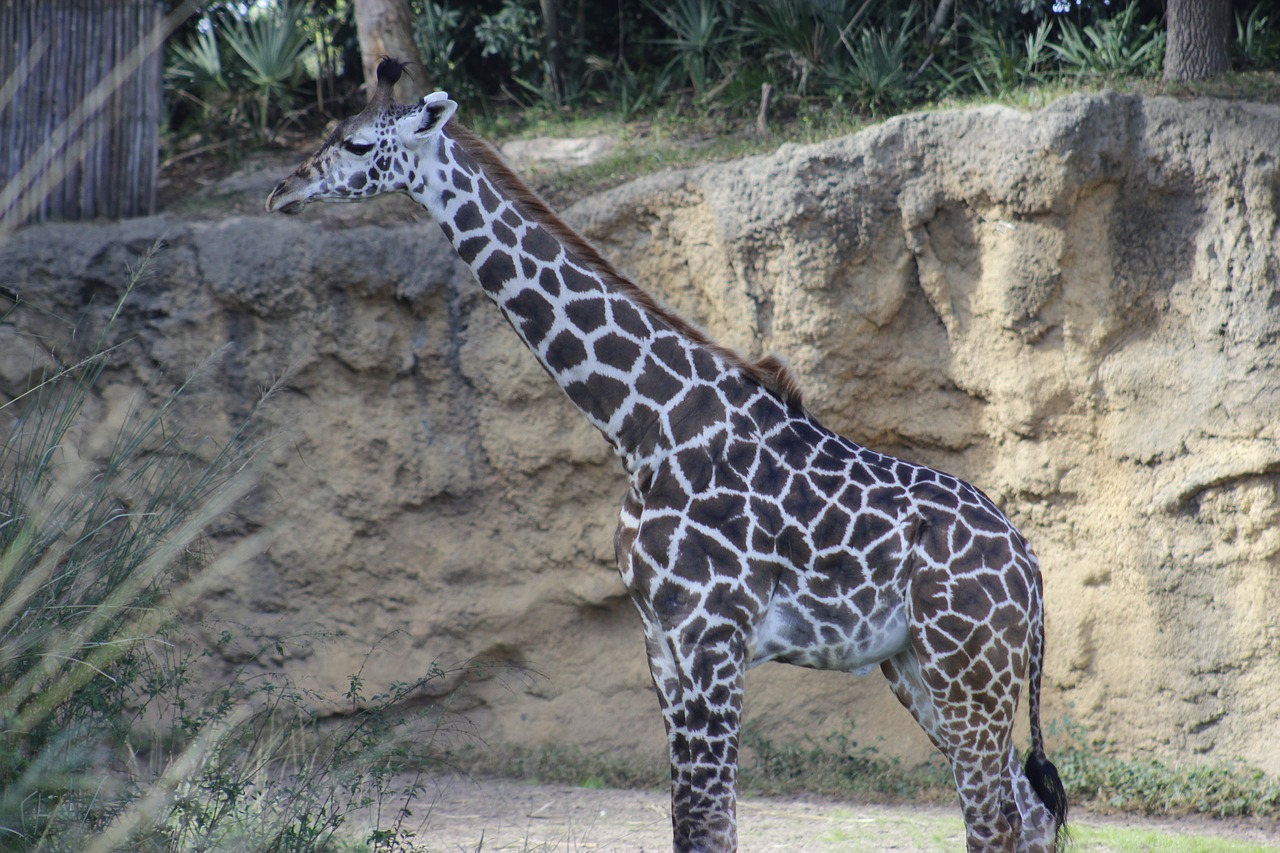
{"points": [[771, 371]]}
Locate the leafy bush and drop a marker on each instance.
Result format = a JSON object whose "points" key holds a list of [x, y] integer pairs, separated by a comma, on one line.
{"points": [[1000, 63], [702, 39], [437, 29], [1113, 46], [512, 35], [270, 49], [877, 73], [238, 74], [803, 39]]}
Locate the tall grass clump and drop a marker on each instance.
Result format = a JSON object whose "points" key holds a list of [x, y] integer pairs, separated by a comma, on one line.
{"points": [[88, 552], [107, 739]]}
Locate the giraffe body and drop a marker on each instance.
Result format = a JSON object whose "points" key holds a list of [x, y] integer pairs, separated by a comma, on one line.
{"points": [[749, 532]]}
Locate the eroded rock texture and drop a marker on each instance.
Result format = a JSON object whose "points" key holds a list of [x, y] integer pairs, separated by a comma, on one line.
{"points": [[1073, 308]]}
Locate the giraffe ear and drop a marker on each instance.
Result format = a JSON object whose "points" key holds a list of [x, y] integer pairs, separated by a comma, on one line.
{"points": [[428, 118]]}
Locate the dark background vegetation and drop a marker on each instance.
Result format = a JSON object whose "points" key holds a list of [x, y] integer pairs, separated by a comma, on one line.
{"points": [[256, 70]]}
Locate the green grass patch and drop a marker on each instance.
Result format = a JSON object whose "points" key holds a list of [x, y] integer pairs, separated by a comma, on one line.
{"points": [[1113, 839]]}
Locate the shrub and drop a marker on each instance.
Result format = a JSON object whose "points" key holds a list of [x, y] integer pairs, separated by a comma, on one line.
{"points": [[240, 74], [1112, 46]]}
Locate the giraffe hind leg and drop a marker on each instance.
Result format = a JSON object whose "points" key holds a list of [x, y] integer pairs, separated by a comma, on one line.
{"points": [[977, 745], [1039, 826]]}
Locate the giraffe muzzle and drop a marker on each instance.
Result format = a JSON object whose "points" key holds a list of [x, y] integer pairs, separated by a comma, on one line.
{"points": [[279, 200]]}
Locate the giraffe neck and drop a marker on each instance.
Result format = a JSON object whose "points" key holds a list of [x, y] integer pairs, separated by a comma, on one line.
{"points": [[643, 377]]}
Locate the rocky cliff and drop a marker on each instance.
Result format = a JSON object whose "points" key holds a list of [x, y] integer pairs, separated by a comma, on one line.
{"points": [[1075, 308]]}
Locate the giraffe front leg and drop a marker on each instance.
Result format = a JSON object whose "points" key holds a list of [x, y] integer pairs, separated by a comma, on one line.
{"points": [[700, 688]]}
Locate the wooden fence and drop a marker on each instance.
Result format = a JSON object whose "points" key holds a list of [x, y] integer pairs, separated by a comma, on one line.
{"points": [[80, 109]]}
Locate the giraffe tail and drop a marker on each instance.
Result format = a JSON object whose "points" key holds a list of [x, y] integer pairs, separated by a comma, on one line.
{"points": [[1040, 771]]}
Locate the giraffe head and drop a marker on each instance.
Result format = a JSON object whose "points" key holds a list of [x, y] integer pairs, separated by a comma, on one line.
{"points": [[369, 154]]}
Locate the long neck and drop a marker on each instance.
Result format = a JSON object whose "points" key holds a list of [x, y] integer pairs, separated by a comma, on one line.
{"points": [[645, 379]]}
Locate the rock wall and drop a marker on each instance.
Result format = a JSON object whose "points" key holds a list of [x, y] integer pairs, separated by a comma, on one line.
{"points": [[1074, 308]]}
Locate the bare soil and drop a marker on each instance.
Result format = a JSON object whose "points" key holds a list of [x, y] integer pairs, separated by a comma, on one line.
{"points": [[456, 814]]}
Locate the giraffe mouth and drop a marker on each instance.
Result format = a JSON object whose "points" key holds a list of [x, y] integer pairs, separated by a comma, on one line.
{"points": [[286, 198]]}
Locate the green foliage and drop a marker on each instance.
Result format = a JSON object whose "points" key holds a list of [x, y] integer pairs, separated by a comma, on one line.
{"points": [[270, 48], [195, 66], [803, 39], [709, 57], [702, 38], [241, 73], [1257, 37], [107, 740], [1092, 773], [1113, 46], [436, 29], [628, 91], [513, 35], [1000, 63], [878, 75]]}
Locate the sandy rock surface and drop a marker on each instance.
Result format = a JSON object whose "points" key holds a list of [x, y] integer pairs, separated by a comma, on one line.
{"points": [[1074, 308]]}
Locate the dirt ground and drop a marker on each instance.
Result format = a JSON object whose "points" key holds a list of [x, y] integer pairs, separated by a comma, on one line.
{"points": [[458, 815]]}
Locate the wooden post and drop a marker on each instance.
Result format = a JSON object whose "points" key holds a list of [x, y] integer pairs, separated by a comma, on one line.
{"points": [[80, 109]]}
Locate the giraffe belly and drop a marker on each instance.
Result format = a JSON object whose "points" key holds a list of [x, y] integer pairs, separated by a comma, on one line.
{"points": [[829, 635]]}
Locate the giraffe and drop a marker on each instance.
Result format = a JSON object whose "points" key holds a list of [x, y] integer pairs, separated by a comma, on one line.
{"points": [[749, 531]]}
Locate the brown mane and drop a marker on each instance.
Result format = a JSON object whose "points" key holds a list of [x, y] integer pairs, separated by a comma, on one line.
{"points": [[770, 372]]}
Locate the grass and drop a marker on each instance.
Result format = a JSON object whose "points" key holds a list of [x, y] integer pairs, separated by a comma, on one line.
{"points": [[932, 832], [1113, 839]]}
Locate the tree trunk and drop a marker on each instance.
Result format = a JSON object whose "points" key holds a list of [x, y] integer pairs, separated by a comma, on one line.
{"points": [[1199, 39], [385, 28]]}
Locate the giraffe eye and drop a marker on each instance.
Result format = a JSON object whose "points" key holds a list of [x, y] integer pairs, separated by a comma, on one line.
{"points": [[358, 148]]}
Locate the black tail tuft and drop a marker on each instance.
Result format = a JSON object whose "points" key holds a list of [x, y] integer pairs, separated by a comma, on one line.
{"points": [[1044, 779]]}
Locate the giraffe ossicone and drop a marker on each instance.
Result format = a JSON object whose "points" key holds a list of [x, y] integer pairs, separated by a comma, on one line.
{"points": [[750, 532]]}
